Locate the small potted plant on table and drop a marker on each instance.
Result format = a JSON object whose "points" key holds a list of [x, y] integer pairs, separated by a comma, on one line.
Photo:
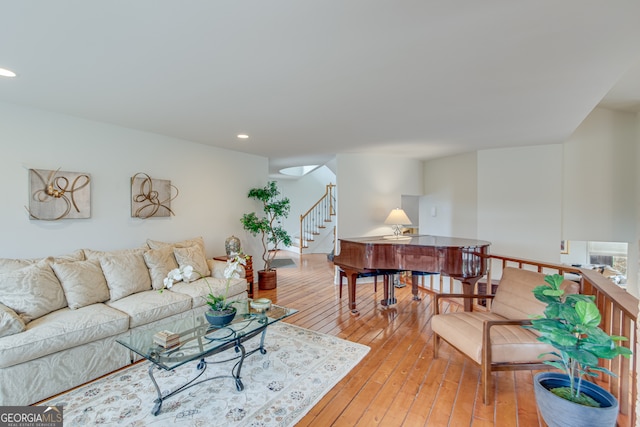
{"points": [[221, 311], [571, 325], [269, 227]]}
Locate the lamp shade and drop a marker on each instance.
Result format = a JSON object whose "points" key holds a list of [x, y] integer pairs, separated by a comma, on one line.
{"points": [[397, 217]]}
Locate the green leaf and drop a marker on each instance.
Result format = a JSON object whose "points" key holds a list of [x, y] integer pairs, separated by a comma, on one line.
{"points": [[588, 313]]}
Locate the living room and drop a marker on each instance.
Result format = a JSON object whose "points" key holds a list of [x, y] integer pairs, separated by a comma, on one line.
{"points": [[577, 183]]}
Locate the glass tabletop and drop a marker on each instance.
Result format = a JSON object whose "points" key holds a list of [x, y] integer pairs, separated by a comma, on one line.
{"points": [[197, 338]]}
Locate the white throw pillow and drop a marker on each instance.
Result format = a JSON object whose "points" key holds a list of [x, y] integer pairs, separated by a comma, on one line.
{"points": [[83, 282], [160, 262], [126, 274], [32, 291], [196, 241], [10, 322], [194, 257]]}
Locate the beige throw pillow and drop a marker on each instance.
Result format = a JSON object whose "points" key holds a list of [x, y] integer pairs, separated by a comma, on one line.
{"points": [[197, 241], [83, 282], [8, 264], [126, 274], [32, 291], [10, 322], [160, 262], [194, 257]]}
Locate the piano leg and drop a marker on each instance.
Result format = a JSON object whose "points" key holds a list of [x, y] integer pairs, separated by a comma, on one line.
{"points": [[389, 291], [468, 285], [352, 275], [414, 287]]}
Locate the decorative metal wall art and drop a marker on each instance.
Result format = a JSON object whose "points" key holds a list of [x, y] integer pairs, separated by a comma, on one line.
{"points": [[151, 197], [55, 194]]}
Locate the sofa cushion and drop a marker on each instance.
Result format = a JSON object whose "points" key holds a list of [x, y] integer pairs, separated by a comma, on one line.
{"points": [[32, 291], [160, 262], [83, 282], [515, 299], [8, 264], [149, 306], [10, 322], [508, 343], [197, 241], [60, 330], [194, 257], [126, 274], [199, 289]]}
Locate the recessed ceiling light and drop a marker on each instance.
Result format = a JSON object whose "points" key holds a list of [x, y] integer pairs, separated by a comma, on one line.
{"points": [[243, 136], [6, 73]]}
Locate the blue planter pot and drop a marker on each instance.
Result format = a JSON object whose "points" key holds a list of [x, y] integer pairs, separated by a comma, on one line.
{"points": [[559, 412], [219, 319]]}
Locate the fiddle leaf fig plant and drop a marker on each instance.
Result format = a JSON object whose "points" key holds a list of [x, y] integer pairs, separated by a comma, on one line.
{"points": [[269, 226], [571, 325]]}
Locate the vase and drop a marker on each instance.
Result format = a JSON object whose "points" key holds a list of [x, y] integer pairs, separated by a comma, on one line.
{"points": [[232, 246], [220, 318], [559, 412]]}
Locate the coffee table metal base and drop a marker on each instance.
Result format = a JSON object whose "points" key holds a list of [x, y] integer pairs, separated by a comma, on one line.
{"points": [[202, 366]]}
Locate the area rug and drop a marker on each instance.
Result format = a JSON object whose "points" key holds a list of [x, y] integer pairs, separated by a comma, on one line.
{"points": [[280, 387], [283, 263]]}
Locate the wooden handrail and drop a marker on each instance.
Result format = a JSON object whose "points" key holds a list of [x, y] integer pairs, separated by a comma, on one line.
{"points": [[323, 209]]}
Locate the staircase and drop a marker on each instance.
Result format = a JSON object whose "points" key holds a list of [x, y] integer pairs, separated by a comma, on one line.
{"points": [[314, 223]]}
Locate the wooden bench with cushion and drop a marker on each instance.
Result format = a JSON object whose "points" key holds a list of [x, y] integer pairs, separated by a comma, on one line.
{"points": [[495, 339]]}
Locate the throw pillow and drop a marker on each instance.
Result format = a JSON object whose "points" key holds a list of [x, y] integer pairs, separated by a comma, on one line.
{"points": [[196, 241], [10, 322], [126, 274], [194, 257], [8, 264], [32, 291], [83, 282], [160, 262]]}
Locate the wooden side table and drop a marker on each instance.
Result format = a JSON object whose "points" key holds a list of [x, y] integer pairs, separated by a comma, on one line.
{"points": [[248, 271]]}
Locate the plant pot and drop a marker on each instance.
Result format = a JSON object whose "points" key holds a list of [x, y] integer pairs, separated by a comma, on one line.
{"points": [[559, 412], [220, 318], [267, 279]]}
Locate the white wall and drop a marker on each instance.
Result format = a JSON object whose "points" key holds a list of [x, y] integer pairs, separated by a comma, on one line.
{"points": [[599, 200], [520, 201], [212, 185], [530, 198], [369, 186], [451, 194]]}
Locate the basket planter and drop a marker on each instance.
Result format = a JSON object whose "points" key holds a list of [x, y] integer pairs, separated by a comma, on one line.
{"points": [[267, 279], [559, 412]]}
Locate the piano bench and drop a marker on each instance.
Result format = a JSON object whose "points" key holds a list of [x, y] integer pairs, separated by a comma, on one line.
{"points": [[373, 274]]}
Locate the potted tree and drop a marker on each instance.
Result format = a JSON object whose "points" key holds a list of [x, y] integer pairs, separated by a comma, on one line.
{"points": [[269, 227], [571, 325]]}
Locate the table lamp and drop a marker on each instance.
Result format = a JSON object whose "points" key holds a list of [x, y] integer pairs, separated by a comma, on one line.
{"points": [[397, 218]]}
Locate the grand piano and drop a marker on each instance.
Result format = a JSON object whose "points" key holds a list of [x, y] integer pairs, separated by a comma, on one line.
{"points": [[461, 259]]}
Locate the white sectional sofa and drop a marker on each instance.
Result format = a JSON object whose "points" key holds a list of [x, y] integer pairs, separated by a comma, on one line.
{"points": [[60, 316]]}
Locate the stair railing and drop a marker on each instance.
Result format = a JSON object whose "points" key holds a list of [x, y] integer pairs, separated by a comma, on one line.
{"points": [[316, 217]]}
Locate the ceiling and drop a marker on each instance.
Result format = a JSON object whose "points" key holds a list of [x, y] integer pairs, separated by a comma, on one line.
{"points": [[309, 79]]}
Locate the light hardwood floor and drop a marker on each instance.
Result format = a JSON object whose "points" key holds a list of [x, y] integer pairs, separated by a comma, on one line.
{"points": [[398, 383]]}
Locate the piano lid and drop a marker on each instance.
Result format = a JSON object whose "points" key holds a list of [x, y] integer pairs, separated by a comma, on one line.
{"points": [[420, 240]]}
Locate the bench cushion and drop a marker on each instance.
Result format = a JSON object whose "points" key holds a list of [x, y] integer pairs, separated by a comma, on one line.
{"points": [[199, 289], [60, 330], [149, 306]]}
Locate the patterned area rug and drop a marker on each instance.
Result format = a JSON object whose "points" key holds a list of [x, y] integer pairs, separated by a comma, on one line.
{"points": [[280, 387]]}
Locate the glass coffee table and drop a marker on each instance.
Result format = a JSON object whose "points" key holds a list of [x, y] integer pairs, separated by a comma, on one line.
{"points": [[198, 340]]}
